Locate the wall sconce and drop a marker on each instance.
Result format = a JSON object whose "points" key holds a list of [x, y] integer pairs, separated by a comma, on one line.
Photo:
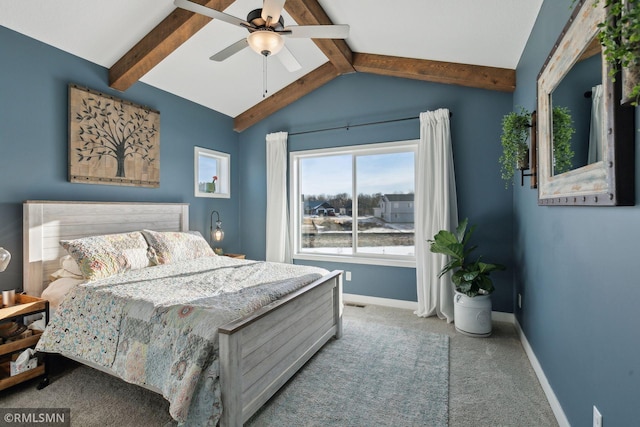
{"points": [[218, 234], [533, 153]]}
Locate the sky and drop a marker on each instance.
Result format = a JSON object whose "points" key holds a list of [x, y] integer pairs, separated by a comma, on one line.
{"points": [[378, 173], [206, 168]]}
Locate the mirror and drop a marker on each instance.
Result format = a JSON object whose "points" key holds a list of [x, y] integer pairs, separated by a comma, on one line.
{"points": [[590, 160], [576, 102]]}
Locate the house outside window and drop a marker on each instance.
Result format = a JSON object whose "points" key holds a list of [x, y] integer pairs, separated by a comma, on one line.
{"points": [[376, 227]]}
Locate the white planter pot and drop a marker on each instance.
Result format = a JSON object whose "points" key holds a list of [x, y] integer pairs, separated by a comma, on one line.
{"points": [[472, 315]]}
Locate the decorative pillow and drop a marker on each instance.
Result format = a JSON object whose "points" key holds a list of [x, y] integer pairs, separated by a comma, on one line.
{"points": [[103, 256], [172, 246], [69, 266]]}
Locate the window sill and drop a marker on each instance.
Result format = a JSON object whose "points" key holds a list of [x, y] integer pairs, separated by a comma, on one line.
{"points": [[408, 262]]}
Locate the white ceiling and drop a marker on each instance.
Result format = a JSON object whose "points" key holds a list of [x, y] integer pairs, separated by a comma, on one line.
{"points": [[488, 32]]}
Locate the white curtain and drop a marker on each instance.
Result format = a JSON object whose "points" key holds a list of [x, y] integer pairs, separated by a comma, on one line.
{"points": [[596, 135], [436, 209], [278, 246]]}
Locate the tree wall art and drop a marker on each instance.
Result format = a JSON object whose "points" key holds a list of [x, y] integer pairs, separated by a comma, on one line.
{"points": [[112, 141]]}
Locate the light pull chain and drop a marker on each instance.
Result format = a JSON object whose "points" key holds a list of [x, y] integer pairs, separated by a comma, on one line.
{"points": [[264, 76]]}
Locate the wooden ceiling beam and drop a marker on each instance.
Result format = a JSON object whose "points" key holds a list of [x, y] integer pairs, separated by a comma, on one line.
{"points": [[309, 12], [296, 90], [166, 37], [499, 79]]}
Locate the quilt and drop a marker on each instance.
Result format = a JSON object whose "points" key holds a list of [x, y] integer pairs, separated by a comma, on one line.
{"points": [[157, 326]]}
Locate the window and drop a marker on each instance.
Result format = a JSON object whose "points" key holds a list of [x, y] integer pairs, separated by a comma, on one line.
{"points": [[211, 173], [376, 226]]}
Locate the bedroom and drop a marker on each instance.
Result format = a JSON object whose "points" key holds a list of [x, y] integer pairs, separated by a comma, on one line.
{"points": [[585, 341]]}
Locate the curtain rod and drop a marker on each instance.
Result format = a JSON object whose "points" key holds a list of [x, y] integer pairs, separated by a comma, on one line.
{"points": [[347, 127]]}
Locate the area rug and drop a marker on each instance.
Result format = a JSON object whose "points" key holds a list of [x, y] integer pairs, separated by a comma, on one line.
{"points": [[376, 375]]}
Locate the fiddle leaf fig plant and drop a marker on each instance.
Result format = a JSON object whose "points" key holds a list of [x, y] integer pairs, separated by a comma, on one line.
{"points": [[515, 151], [470, 277]]}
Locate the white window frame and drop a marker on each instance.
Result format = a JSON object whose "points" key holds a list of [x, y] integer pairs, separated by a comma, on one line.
{"points": [[223, 164], [294, 193]]}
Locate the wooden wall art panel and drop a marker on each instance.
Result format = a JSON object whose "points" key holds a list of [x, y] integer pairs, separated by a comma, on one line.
{"points": [[112, 141]]}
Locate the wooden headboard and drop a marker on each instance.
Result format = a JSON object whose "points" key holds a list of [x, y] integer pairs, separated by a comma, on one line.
{"points": [[45, 223]]}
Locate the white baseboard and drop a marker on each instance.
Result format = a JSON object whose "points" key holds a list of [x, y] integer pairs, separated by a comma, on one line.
{"points": [[385, 302], [561, 418], [412, 305]]}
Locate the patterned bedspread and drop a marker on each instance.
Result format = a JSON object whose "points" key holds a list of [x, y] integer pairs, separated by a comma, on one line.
{"points": [[157, 326]]}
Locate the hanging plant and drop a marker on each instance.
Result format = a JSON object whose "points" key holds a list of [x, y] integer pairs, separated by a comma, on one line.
{"points": [[620, 38], [563, 130], [515, 151]]}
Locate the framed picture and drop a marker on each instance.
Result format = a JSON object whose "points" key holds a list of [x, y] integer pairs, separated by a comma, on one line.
{"points": [[112, 141], [211, 173]]}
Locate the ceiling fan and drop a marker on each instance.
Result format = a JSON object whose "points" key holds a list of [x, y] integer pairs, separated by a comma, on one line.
{"points": [[266, 31]]}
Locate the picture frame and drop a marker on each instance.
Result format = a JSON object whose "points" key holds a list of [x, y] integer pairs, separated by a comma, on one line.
{"points": [[112, 141], [211, 173]]}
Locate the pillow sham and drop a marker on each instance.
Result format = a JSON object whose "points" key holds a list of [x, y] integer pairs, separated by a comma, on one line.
{"points": [[68, 268], [169, 247], [103, 256]]}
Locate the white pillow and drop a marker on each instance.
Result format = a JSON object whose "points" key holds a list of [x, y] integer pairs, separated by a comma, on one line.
{"points": [[69, 264], [56, 291], [69, 269]]}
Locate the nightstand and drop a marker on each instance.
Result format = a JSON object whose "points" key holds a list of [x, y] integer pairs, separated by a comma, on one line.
{"points": [[25, 306], [238, 256]]}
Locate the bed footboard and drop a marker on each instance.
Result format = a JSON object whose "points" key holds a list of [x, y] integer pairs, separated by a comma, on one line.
{"points": [[260, 353]]}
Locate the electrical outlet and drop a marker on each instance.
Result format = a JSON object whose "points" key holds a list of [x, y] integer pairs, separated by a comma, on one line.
{"points": [[597, 417], [519, 300], [348, 276]]}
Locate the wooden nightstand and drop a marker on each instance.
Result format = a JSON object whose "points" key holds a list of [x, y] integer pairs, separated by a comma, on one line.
{"points": [[25, 305], [238, 256]]}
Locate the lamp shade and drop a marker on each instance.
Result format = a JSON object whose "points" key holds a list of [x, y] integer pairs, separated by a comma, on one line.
{"points": [[216, 234], [265, 42], [5, 257]]}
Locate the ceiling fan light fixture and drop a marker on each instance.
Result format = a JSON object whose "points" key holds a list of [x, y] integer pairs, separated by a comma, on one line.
{"points": [[265, 42]]}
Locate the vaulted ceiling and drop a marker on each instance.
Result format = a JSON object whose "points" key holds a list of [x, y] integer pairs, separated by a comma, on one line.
{"points": [[464, 42]]}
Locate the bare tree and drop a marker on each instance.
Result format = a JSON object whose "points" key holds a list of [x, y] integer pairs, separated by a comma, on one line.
{"points": [[106, 130]]}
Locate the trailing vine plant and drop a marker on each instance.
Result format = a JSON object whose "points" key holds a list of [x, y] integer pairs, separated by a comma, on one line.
{"points": [[620, 39], [563, 130], [515, 151]]}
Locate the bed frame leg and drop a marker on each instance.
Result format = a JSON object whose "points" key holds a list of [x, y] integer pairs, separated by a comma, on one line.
{"points": [[337, 306], [230, 380]]}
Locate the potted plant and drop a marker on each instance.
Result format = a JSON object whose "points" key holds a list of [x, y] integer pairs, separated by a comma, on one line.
{"points": [[472, 301], [620, 39], [515, 151]]}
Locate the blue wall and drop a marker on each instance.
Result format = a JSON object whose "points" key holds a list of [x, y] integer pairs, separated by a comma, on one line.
{"points": [[34, 143], [362, 98], [576, 272]]}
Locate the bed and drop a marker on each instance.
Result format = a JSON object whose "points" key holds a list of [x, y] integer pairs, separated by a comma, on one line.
{"points": [[258, 350]]}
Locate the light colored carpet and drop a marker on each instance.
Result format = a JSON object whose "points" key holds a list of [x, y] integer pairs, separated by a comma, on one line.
{"points": [[491, 382], [376, 375]]}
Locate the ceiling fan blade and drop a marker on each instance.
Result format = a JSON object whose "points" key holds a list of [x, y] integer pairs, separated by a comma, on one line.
{"points": [[211, 13], [288, 60], [272, 8], [229, 51], [317, 31]]}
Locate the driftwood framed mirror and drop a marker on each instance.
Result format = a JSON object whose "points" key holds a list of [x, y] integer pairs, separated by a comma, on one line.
{"points": [[576, 80]]}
